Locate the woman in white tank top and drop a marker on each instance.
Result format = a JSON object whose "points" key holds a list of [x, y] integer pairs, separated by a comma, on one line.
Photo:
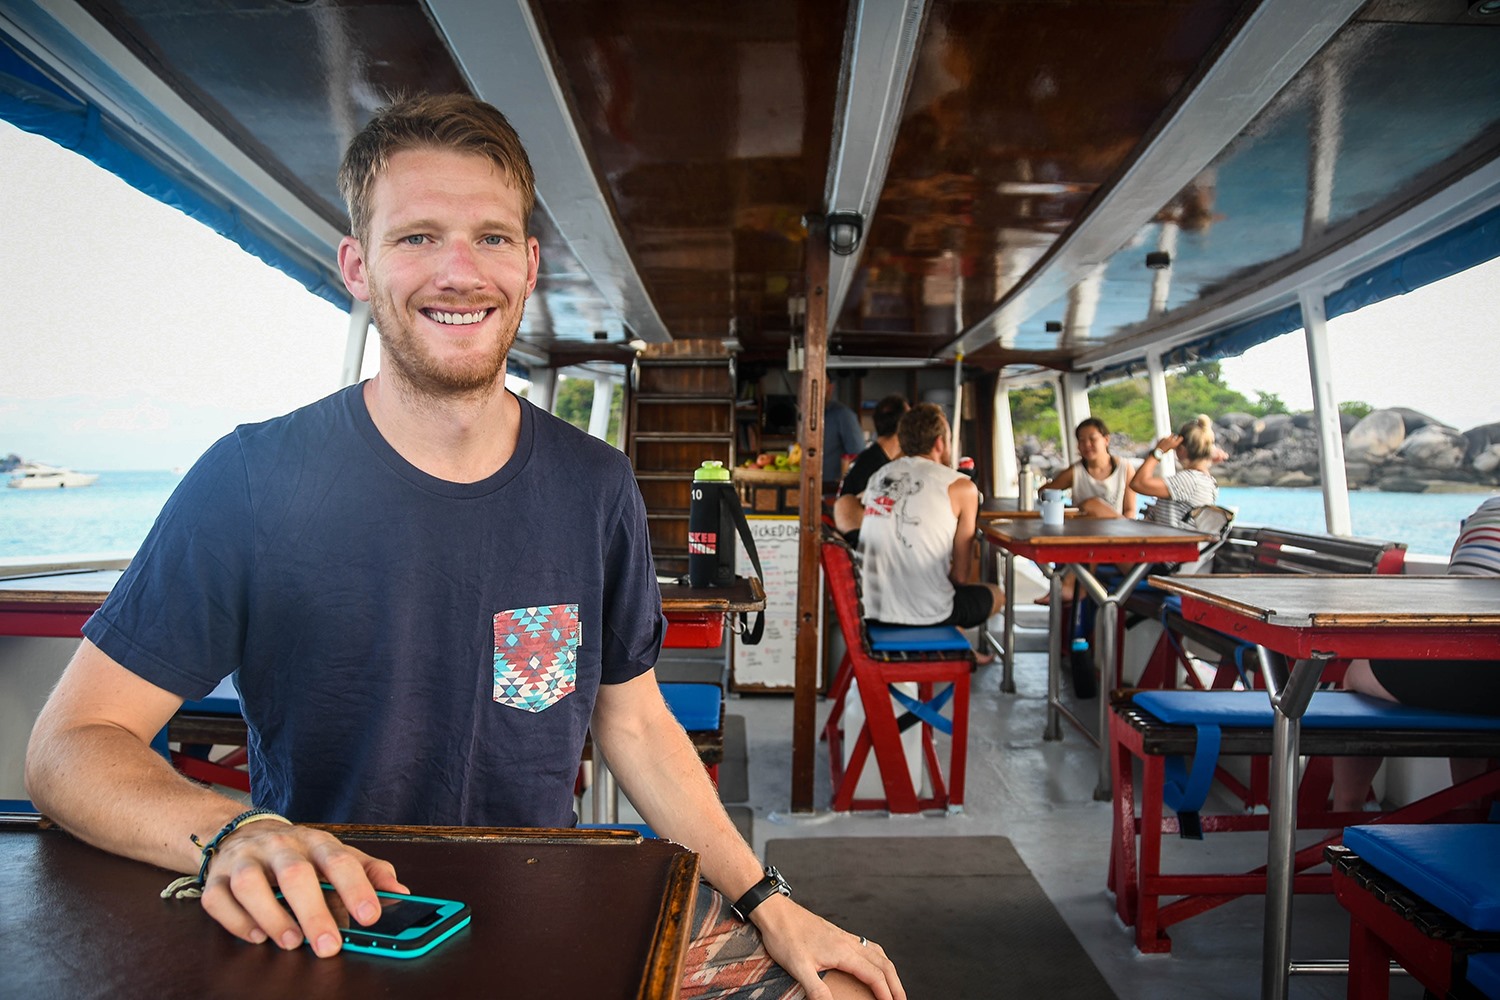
{"points": [[1100, 482]]}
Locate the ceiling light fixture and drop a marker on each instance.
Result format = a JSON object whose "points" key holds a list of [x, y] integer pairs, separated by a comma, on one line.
{"points": [[844, 232], [1484, 8]]}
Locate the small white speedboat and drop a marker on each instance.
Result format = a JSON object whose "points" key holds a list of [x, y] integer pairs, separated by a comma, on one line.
{"points": [[35, 476]]}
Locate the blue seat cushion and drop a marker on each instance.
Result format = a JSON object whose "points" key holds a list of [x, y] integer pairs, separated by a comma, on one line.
{"points": [[1484, 973], [1455, 867], [916, 638], [695, 706], [1328, 710]]}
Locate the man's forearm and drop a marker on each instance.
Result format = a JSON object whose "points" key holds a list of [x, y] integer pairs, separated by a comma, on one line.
{"points": [[101, 784], [664, 779]]}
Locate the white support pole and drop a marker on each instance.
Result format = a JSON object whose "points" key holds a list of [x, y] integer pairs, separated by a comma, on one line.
{"points": [[1161, 413], [354, 344], [1073, 408], [1161, 278], [1003, 465], [958, 409], [1326, 412], [543, 387], [604, 394]]}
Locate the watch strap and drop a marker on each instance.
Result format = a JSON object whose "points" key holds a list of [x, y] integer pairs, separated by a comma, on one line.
{"points": [[761, 891]]}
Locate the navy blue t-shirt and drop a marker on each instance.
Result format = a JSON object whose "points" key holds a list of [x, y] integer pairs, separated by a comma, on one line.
{"points": [[409, 650]]}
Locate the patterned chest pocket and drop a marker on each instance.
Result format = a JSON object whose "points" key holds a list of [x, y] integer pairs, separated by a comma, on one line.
{"points": [[536, 656]]}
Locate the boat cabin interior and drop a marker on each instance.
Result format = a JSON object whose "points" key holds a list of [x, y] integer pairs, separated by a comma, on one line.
{"points": [[744, 209]]}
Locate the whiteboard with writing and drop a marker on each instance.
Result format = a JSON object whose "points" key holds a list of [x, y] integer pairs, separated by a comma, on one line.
{"points": [[771, 664]]}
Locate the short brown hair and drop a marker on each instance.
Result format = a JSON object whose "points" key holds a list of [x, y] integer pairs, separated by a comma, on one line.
{"points": [[455, 122], [920, 428]]}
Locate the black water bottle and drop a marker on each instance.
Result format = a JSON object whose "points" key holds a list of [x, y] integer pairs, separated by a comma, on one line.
{"points": [[710, 531]]}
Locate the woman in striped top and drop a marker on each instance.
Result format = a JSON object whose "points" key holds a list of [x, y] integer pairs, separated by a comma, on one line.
{"points": [[1191, 486]]}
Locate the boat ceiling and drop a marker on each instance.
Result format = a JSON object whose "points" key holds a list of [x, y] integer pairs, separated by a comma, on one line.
{"points": [[1013, 161]]}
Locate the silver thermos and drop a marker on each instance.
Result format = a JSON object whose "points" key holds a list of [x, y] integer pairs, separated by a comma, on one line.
{"points": [[1026, 489]]}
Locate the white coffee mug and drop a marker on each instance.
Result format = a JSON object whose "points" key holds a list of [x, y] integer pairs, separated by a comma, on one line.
{"points": [[1052, 511]]}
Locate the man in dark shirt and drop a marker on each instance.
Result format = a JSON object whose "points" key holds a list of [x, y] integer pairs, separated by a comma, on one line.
{"points": [[848, 509]]}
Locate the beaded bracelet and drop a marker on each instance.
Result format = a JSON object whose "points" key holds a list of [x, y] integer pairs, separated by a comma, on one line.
{"points": [[191, 886]]}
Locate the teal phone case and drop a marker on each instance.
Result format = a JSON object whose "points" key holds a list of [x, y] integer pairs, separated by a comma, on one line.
{"points": [[358, 939]]}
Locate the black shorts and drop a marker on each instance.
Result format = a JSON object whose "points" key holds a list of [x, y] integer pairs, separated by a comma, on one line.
{"points": [[1468, 686], [971, 605]]}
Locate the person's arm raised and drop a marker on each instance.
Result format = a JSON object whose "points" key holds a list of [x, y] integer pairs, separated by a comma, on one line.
{"points": [[1147, 480], [91, 769], [660, 773]]}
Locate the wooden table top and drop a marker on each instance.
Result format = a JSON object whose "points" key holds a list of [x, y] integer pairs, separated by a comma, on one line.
{"points": [[558, 913], [1090, 531], [93, 586], [1339, 601], [65, 587], [745, 595]]}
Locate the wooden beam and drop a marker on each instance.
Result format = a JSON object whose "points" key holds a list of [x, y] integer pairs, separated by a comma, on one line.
{"points": [[810, 434]]}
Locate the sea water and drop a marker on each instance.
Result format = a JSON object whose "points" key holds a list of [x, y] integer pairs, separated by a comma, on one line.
{"points": [[114, 514]]}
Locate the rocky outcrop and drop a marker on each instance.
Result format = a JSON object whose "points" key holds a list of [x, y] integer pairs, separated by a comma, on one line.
{"points": [[1396, 449]]}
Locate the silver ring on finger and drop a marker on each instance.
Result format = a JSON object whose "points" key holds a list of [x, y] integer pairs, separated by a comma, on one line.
{"points": [[863, 940]]}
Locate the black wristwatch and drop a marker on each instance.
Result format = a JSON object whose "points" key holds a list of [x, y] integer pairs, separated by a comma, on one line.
{"points": [[760, 892]]}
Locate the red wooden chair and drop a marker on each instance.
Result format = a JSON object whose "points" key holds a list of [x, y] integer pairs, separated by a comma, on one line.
{"points": [[877, 671]]}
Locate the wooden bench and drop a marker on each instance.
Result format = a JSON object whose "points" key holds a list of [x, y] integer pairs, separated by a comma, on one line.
{"points": [[926, 657], [1252, 550], [1427, 896], [1337, 724]]}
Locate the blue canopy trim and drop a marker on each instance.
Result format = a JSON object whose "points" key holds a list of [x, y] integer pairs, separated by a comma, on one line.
{"points": [[37, 105], [1460, 248]]}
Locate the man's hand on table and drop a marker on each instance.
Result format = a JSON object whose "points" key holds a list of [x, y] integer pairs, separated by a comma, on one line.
{"points": [[805, 944], [240, 890]]}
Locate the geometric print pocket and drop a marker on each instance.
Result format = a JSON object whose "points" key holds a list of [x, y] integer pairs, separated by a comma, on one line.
{"points": [[536, 656]]}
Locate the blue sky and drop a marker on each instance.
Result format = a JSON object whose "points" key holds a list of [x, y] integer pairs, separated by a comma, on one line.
{"points": [[133, 337]]}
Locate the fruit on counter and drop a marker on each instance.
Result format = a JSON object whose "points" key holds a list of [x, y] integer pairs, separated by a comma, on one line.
{"points": [[775, 461]]}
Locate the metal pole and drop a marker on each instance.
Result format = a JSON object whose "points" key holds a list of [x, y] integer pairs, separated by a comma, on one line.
{"points": [[354, 344], [1161, 413], [1326, 412], [1054, 655], [1290, 691]]}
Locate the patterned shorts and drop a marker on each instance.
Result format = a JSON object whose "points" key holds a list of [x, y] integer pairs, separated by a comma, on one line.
{"points": [[725, 959]]}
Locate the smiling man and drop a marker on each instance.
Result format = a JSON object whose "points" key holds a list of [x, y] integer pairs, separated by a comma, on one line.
{"points": [[428, 592]]}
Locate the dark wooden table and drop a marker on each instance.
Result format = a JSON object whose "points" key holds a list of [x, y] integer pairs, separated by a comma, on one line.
{"points": [[1071, 547], [556, 913], [1300, 623]]}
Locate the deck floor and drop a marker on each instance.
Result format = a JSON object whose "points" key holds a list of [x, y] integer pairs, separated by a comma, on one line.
{"points": [[1040, 795]]}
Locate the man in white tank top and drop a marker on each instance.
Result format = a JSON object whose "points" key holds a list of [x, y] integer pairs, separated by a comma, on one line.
{"points": [[917, 541]]}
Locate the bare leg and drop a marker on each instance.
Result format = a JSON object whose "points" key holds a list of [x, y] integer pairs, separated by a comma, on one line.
{"points": [[1352, 775]]}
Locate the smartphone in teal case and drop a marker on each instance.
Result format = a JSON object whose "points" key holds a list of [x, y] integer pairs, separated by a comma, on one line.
{"points": [[408, 926]]}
